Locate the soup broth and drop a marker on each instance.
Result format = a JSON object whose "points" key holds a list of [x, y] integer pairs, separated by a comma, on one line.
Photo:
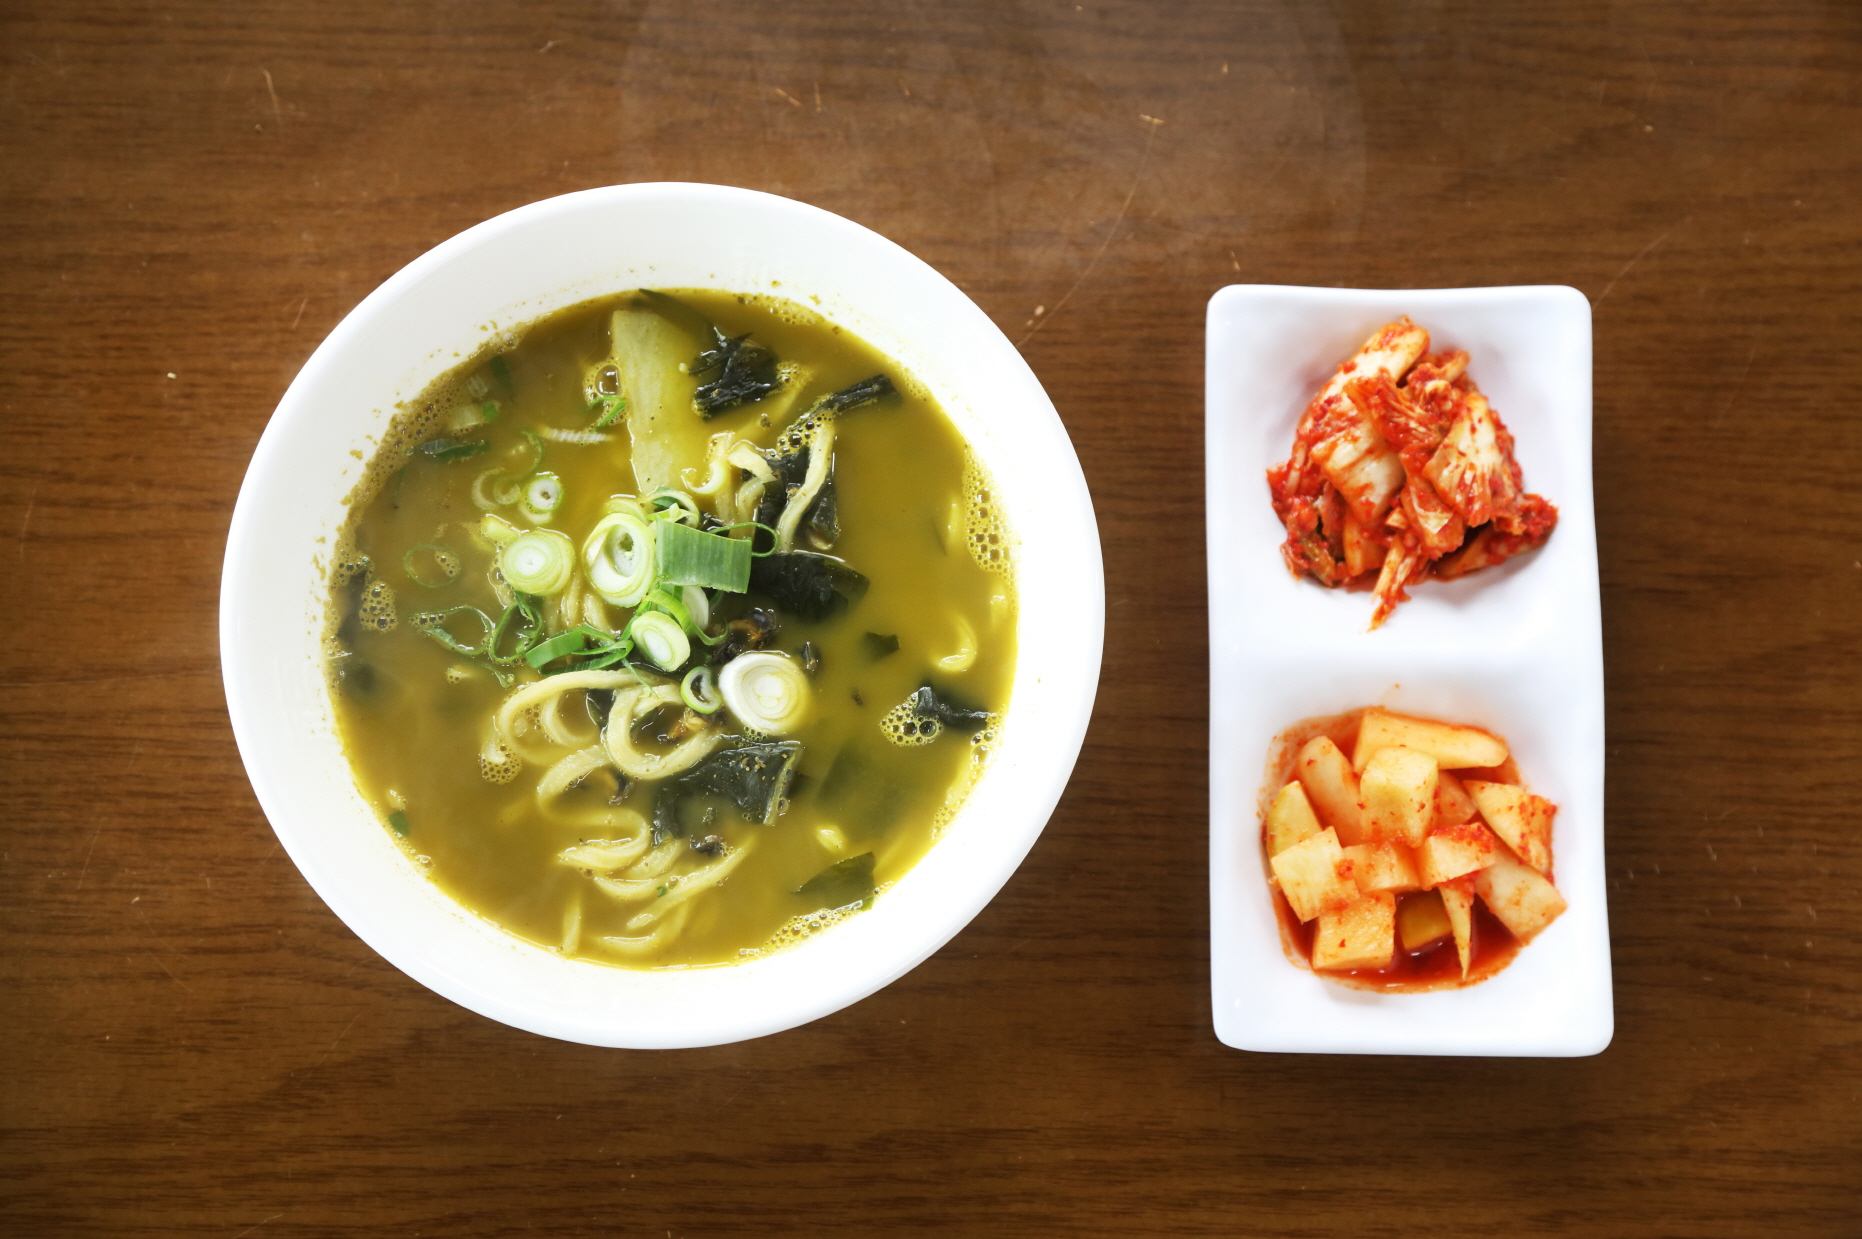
{"points": [[582, 765]]}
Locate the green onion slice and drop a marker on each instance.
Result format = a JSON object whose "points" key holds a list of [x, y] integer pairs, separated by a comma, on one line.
{"points": [[522, 621], [669, 504], [496, 530], [610, 409], [699, 690], [767, 692], [697, 608], [444, 449], [542, 496], [539, 562], [660, 639], [599, 650], [397, 821], [689, 556], [430, 565], [534, 443], [450, 449], [620, 557], [660, 600], [434, 624], [493, 488]]}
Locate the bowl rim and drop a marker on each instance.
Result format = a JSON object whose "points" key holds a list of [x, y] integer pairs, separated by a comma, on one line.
{"points": [[270, 706]]}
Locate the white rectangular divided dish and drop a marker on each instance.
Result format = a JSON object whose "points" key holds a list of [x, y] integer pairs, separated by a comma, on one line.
{"points": [[1517, 649]]}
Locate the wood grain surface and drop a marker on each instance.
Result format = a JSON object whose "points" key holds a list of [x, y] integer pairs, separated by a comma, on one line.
{"points": [[192, 195]]}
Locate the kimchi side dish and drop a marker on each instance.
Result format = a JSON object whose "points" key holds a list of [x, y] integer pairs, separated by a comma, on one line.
{"points": [[1417, 862], [1402, 471]]}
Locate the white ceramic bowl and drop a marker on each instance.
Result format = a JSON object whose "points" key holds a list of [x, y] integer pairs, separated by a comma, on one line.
{"points": [[1517, 649], [508, 271]]}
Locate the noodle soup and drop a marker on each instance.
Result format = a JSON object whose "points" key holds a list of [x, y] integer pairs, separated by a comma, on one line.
{"points": [[672, 632]]}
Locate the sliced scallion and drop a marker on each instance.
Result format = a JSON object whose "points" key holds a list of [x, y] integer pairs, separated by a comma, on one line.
{"points": [[434, 624], [699, 690], [450, 449], [662, 600], [608, 410], [397, 821], [539, 562], [689, 556], [697, 608], [766, 691], [496, 530], [620, 557], [674, 505], [577, 640], [660, 639], [526, 456], [494, 488], [542, 496], [522, 623], [430, 565]]}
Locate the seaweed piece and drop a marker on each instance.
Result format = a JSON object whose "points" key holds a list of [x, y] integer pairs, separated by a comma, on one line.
{"points": [[790, 458], [753, 777], [856, 394], [842, 884], [751, 632], [927, 704], [880, 645], [789, 461], [746, 371], [822, 523], [867, 797], [812, 586], [598, 701]]}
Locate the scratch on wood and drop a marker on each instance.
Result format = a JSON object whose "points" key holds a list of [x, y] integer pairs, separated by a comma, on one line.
{"points": [[171, 973], [32, 497], [1144, 161], [277, 113], [1644, 252], [339, 1038], [300, 311], [786, 95], [248, 1230]]}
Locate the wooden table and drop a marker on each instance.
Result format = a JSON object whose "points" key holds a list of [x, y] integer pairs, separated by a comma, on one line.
{"points": [[194, 194]]}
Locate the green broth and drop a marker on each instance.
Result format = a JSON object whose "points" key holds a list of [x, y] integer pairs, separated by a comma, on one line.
{"points": [[414, 715]]}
